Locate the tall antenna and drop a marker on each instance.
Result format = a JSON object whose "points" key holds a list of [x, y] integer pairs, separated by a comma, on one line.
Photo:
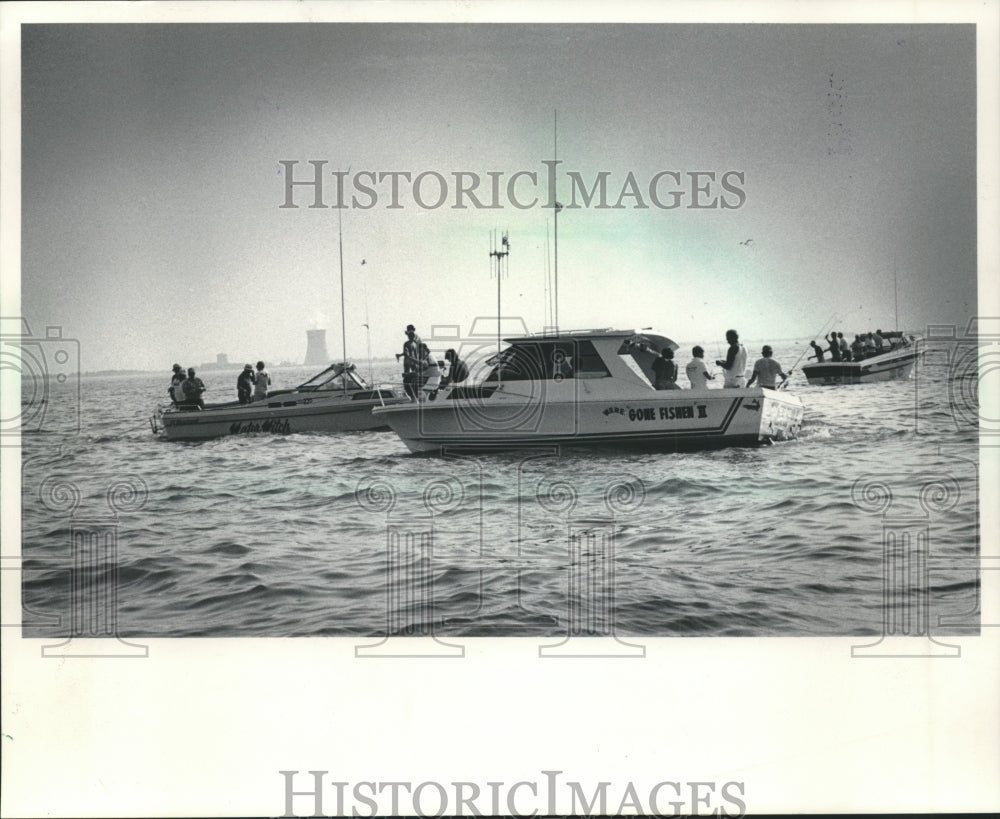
{"points": [[500, 254], [555, 231], [548, 280], [368, 331], [895, 292], [343, 320]]}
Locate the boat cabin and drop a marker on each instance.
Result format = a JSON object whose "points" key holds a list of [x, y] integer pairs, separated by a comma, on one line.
{"points": [[590, 354]]}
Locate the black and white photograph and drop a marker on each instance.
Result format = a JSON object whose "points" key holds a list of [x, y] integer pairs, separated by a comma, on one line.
{"points": [[499, 409]]}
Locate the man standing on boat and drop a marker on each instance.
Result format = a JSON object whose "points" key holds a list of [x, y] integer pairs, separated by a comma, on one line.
{"points": [[665, 371], [176, 395], [244, 385], [735, 366], [193, 387], [766, 369], [261, 382], [834, 347], [412, 361], [696, 370]]}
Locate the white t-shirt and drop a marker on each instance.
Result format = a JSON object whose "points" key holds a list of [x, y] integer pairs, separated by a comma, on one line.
{"points": [[697, 373], [260, 388]]}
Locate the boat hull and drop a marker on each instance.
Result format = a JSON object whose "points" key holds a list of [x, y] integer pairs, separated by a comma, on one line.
{"points": [[896, 364], [291, 414], [666, 420]]}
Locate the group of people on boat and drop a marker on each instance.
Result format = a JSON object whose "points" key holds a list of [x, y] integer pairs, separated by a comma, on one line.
{"points": [[186, 389], [765, 370], [252, 386], [865, 345], [423, 374]]}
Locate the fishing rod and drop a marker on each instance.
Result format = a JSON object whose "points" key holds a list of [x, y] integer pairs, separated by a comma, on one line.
{"points": [[822, 331]]}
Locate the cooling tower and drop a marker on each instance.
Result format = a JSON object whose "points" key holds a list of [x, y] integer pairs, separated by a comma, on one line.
{"points": [[316, 351]]}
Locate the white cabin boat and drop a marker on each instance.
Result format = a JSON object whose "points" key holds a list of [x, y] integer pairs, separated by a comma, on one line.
{"points": [[589, 388], [336, 400], [895, 363]]}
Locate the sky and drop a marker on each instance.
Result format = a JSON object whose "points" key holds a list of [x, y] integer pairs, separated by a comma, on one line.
{"points": [[824, 176]]}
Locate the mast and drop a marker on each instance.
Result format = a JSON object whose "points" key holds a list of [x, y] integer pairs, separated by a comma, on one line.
{"points": [[895, 293], [500, 255], [555, 236], [343, 320]]}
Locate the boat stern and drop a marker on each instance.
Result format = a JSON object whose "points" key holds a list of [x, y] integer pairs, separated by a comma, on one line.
{"points": [[780, 415]]}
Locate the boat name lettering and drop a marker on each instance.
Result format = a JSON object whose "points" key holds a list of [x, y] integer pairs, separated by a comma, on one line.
{"points": [[274, 425], [669, 413]]}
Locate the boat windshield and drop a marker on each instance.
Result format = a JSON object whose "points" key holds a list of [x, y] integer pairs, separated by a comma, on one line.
{"points": [[335, 378], [543, 360]]}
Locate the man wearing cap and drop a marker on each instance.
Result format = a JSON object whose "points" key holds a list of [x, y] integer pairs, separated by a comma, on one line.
{"points": [[766, 369], [412, 361], [244, 384], [175, 385]]}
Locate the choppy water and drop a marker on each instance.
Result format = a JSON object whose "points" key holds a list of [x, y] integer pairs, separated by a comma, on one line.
{"points": [[351, 535]]}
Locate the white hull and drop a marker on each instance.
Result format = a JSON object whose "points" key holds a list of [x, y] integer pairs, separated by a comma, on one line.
{"points": [[576, 413], [285, 415], [896, 364]]}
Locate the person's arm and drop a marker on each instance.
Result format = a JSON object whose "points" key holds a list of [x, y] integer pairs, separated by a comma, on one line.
{"points": [[753, 376]]}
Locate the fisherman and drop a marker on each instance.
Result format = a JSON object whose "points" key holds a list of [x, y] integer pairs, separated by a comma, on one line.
{"points": [[458, 371], [697, 372], [430, 373], [845, 348], [834, 346], [175, 383], [412, 361], [244, 385], [870, 346], [879, 341], [818, 350], [735, 365], [858, 348], [766, 369], [261, 382], [193, 387], [665, 371]]}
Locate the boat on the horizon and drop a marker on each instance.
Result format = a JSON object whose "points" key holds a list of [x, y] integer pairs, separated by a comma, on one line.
{"points": [[338, 399], [895, 363], [589, 388]]}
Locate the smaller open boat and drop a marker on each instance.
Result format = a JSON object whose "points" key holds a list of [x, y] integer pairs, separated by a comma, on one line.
{"points": [[336, 400], [895, 363]]}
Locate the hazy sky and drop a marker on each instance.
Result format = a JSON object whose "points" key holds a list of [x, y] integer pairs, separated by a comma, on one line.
{"points": [[152, 181]]}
